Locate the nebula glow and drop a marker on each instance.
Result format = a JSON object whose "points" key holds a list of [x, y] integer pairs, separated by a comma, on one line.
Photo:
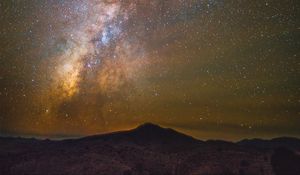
{"points": [[95, 48]]}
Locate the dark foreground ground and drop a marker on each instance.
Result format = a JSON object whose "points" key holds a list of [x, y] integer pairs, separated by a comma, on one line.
{"points": [[149, 150]]}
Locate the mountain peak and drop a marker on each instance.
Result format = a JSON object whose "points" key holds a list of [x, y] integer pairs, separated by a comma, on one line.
{"points": [[149, 132], [149, 126]]}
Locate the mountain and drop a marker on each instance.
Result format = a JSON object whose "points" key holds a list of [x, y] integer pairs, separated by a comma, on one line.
{"points": [[289, 142], [149, 150], [150, 136]]}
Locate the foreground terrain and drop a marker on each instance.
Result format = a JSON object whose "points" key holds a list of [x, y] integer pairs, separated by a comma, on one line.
{"points": [[150, 150]]}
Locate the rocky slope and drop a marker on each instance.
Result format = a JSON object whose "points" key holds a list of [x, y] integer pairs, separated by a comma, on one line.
{"points": [[149, 150]]}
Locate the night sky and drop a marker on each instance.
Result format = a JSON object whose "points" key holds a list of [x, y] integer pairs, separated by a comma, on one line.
{"points": [[214, 69]]}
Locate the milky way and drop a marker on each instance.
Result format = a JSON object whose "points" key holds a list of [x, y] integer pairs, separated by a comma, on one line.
{"points": [[97, 49], [209, 68], [97, 58]]}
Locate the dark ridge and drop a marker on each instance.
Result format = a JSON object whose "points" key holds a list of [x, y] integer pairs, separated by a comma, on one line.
{"points": [[152, 132], [287, 142], [286, 139], [148, 149], [146, 134], [149, 126]]}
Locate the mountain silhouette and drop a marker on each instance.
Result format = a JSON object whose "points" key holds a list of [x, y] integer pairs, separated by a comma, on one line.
{"points": [[148, 149], [147, 133]]}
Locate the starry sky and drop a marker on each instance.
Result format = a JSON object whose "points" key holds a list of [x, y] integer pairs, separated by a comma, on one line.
{"points": [[214, 69]]}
